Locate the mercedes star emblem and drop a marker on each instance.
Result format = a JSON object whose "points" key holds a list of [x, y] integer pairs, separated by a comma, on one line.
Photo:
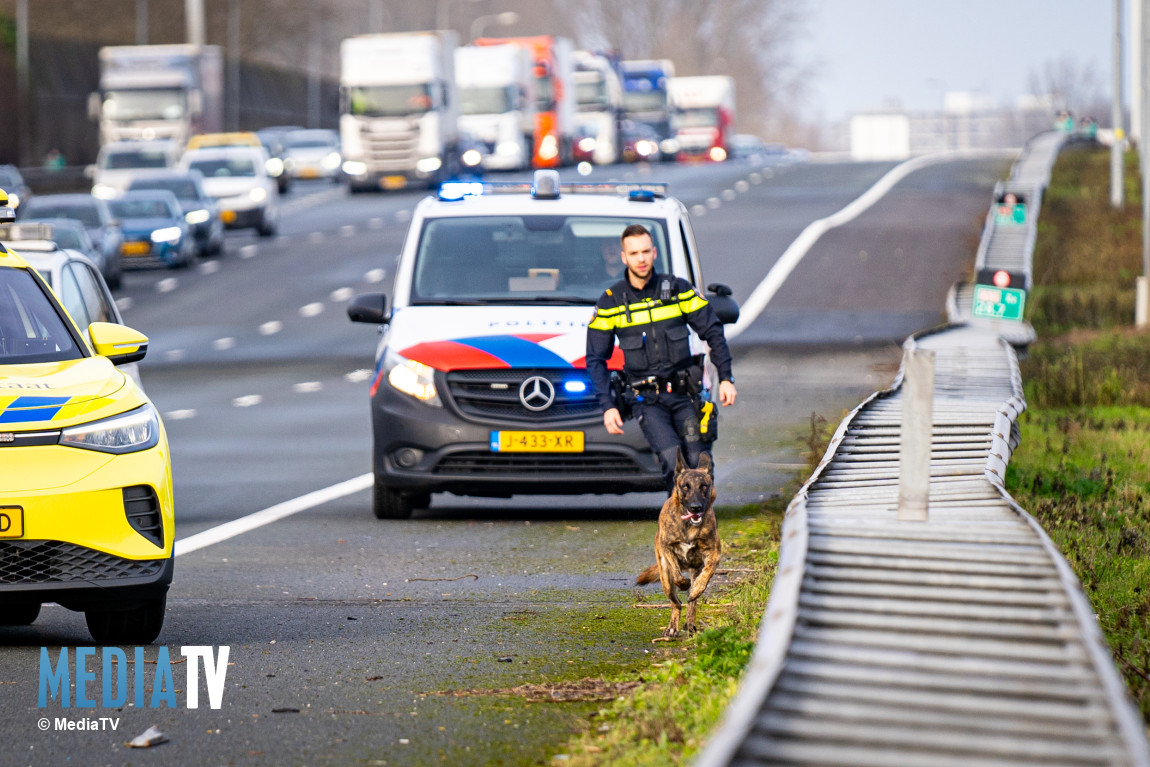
{"points": [[536, 393]]}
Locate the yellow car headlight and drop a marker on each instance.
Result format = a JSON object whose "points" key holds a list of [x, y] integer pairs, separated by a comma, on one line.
{"points": [[129, 432]]}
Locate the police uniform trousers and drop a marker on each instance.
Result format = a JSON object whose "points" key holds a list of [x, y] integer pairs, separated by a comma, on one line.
{"points": [[670, 423]]}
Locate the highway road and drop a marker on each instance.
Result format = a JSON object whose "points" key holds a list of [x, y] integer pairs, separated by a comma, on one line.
{"points": [[338, 623]]}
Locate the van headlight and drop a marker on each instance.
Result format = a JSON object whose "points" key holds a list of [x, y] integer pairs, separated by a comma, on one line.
{"points": [[167, 234], [197, 216], [471, 158], [428, 164], [259, 194], [330, 161], [354, 168], [412, 378], [129, 432], [274, 167]]}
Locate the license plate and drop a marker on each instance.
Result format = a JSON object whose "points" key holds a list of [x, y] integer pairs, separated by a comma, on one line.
{"points": [[309, 173], [393, 182], [227, 216], [537, 442], [135, 249], [11, 522]]}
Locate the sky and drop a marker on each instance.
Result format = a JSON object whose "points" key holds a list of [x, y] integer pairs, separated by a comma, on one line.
{"points": [[865, 53]]}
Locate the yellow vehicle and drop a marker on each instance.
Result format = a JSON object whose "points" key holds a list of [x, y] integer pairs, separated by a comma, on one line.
{"points": [[235, 138], [86, 514]]}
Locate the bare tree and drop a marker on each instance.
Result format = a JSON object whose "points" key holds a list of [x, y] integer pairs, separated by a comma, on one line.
{"points": [[1066, 83]]}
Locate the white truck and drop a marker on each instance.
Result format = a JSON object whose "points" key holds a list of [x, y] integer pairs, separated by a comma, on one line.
{"points": [[497, 102], [599, 105], [399, 109], [158, 92], [704, 116]]}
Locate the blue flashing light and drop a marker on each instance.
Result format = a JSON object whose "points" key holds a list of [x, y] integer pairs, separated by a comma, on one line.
{"points": [[574, 387], [641, 195], [457, 190]]}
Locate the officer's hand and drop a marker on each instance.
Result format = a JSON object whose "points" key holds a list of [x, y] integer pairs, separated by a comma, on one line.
{"points": [[727, 393], [613, 421]]}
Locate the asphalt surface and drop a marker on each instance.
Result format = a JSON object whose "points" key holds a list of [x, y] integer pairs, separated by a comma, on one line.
{"points": [[339, 624]]}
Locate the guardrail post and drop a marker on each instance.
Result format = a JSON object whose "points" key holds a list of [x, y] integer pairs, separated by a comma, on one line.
{"points": [[916, 434]]}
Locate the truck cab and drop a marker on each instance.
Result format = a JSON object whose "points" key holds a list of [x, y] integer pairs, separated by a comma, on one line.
{"points": [[497, 103], [599, 104]]}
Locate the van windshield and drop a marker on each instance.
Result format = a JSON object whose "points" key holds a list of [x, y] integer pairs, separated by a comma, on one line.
{"points": [[390, 100], [524, 259]]}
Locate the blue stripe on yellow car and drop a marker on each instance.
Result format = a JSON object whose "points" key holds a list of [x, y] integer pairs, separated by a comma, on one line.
{"points": [[24, 409]]}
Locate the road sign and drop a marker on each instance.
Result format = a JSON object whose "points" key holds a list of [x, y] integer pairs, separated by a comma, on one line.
{"points": [[998, 303]]}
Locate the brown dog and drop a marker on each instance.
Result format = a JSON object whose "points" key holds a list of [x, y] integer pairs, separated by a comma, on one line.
{"points": [[687, 541]]}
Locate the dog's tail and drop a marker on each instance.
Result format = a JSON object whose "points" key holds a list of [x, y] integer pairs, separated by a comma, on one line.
{"points": [[650, 575]]}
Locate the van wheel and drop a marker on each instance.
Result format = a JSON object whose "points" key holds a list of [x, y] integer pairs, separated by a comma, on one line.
{"points": [[387, 503], [140, 625], [20, 615]]}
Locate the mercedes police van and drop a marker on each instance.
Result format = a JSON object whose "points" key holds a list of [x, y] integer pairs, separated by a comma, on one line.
{"points": [[480, 385]]}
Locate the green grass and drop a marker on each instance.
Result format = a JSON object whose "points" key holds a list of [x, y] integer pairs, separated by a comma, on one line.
{"points": [[1083, 465]]}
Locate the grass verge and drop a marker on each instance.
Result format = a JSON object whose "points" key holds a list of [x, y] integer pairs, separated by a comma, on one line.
{"points": [[1083, 465]]}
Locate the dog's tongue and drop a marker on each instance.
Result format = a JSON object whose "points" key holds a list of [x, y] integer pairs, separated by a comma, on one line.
{"points": [[691, 516]]}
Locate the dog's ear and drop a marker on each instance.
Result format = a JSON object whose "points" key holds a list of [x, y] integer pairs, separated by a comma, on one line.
{"points": [[705, 464], [680, 464]]}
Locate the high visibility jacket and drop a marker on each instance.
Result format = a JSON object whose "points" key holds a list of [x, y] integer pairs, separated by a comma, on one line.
{"points": [[651, 324]]}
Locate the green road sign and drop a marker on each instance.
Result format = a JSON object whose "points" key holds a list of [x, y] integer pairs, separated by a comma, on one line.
{"points": [[998, 303], [1010, 214]]}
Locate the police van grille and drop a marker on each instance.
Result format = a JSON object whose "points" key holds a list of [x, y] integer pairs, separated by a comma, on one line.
{"points": [[570, 464], [59, 562], [494, 394]]}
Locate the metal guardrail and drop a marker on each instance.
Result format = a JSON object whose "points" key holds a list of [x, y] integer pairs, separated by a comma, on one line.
{"points": [[962, 640]]}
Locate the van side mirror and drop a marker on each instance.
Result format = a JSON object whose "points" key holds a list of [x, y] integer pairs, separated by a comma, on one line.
{"points": [[369, 307], [726, 308]]}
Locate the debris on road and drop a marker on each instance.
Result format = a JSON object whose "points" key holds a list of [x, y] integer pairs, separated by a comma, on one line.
{"points": [[149, 737]]}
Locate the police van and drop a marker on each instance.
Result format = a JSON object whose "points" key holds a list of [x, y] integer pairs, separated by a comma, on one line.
{"points": [[480, 385]]}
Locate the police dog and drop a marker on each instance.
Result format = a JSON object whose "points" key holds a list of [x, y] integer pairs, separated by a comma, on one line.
{"points": [[687, 541]]}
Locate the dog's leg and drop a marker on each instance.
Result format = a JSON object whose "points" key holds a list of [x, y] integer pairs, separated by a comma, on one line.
{"points": [[668, 577], [698, 586]]}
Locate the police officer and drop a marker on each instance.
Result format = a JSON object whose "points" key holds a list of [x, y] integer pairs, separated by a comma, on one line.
{"points": [[650, 312]]}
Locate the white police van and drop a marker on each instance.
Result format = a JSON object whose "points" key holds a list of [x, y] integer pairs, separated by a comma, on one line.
{"points": [[480, 386]]}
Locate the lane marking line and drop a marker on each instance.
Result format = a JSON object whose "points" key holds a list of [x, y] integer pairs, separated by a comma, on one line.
{"points": [[765, 290], [258, 519]]}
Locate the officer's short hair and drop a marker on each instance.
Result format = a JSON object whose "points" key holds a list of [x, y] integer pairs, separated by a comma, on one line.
{"points": [[634, 230]]}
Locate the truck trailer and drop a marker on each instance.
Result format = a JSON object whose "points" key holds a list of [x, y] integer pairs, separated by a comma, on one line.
{"points": [[645, 97], [158, 92], [399, 109], [497, 102]]}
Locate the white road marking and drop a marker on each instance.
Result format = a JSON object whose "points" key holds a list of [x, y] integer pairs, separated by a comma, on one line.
{"points": [[755, 178], [375, 223], [209, 267], [307, 387], [347, 231], [403, 216], [223, 344], [271, 514], [741, 186], [358, 376], [174, 355], [249, 251], [124, 303], [698, 210], [315, 238], [375, 275], [713, 203], [180, 415], [728, 194], [248, 400], [167, 285], [271, 327], [765, 291], [339, 295], [311, 310]]}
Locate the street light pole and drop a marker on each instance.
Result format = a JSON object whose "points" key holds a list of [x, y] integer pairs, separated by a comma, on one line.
{"points": [[23, 95], [505, 19], [1142, 284], [194, 15], [141, 22], [1118, 143]]}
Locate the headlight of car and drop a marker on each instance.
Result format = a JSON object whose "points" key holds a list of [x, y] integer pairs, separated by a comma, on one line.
{"points": [[197, 216], [105, 192], [549, 147], [13, 201], [129, 432], [412, 378], [259, 194], [428, 164], [331, 161], [354, 168], [275, 166], [471, 158], [167, 234]]}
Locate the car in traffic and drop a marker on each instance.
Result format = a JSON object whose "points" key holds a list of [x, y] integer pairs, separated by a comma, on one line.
{"points": [[12, 182], [54, 249], [66, 233], [155, 230], [640, 142], [97, 218], [312, 154], [237, 178], [272, 141], [121, 161], [86, 511], [201, 212], [480, 384]]}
